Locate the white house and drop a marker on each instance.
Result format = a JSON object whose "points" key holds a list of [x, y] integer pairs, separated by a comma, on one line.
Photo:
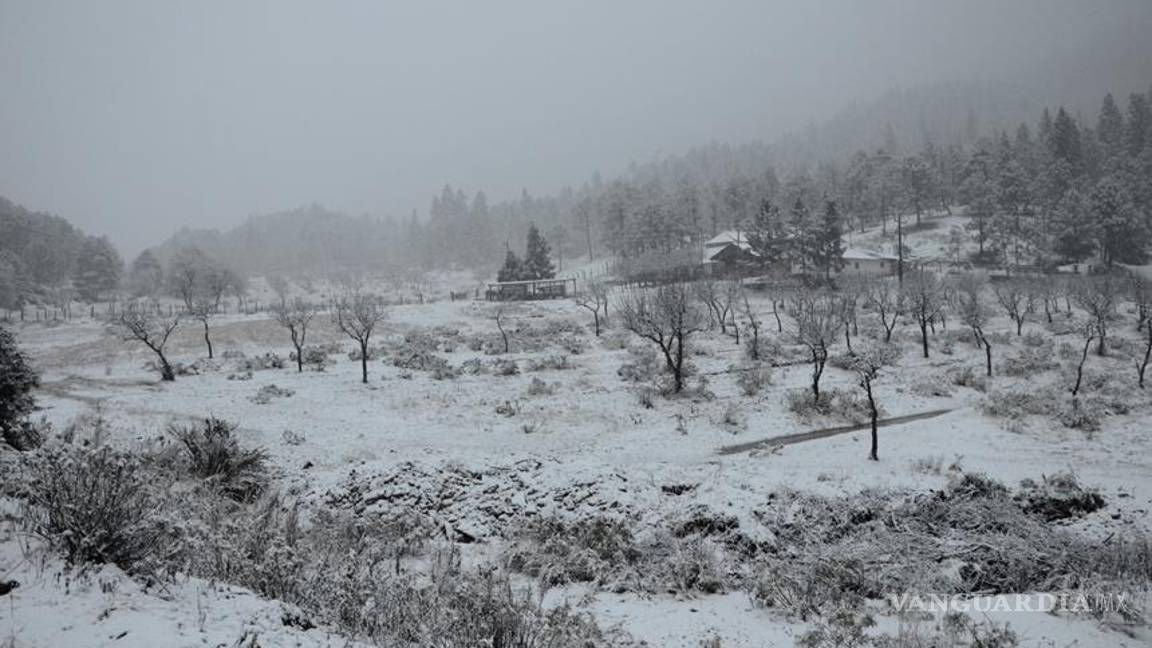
{"points": [[868, 263], [858, 261]]}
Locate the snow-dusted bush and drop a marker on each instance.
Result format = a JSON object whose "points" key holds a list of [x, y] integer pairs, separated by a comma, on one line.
{"points": [[1030, 360], [752, 378], [642, 364], [552, 361], [505, 367], [609, 554], [420, 360], [211, 452], [261, 362], [1015, 404], [317, 356], [540, 388], [95, 505], [844, 405], [615, 339], [968, 376], [1035, 339], [473, 367], [268, 393], [934, 386]]}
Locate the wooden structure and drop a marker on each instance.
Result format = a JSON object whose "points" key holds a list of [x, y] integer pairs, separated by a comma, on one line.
{"points": [[531, 289]]}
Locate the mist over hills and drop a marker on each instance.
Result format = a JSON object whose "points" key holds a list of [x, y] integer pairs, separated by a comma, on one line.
{"points": [[462, 229]]}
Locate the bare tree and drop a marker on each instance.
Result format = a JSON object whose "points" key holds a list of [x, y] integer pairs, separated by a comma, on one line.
{"points": [[753, 349], [1090, 331], [499, 315], [357, 314], [926, 297], [720, 297], [1141, 294], [867, 364], [1018, 299], [889, 302], [667, 316], [851, 290], [295, 315], [818, 324], [1098, 297], [1048, 291], [595, 299], [974, 312], [141, 322], [202, 308]]}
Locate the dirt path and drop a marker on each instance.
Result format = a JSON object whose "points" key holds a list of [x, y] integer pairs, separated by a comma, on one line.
{"points": [[800, 437]]}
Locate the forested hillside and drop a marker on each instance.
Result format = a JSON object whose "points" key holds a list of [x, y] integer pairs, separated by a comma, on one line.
{"points": [[44, 258], [1043, 184]]}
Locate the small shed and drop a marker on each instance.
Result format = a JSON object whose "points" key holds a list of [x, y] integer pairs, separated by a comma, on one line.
{"points": [[530, 289]]}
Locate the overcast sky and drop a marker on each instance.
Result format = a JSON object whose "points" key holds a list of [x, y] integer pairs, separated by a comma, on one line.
{"points": [[134, 118]]}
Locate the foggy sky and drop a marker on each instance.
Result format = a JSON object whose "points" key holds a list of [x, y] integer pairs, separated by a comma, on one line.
{"points": [[134, 118]]}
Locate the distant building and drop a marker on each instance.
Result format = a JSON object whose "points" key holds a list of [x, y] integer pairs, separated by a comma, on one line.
{"points": [[529, 290], [728, 249], [868, 263], [858, 261]]}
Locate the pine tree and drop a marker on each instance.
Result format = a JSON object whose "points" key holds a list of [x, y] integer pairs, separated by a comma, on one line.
{"points": [[537, 257], [828, 248], [98, 268], [766, 233], [17, 379], [800, 235], [1121, 233], [1139, 126], [512, 270], [1075, 238], [146, 278], [1110, 127], [1066, 144]]}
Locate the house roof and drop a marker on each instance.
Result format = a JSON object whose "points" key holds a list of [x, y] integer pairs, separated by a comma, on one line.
{"points": [[860, 254], [729, 237]]}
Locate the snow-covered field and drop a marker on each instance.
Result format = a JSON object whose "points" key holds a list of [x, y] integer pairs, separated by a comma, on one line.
{"points": [[578, 442]]}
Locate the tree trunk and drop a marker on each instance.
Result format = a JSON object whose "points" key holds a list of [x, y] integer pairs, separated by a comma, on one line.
{"points": [[874, 453], [988, 355], [1080, 369], [1147, 356], [166, 372], [207, 340], [364, 361], [299, 359], [924, 336]]}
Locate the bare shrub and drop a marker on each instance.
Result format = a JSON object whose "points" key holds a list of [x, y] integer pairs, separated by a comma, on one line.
{"points": [[211, 452]]}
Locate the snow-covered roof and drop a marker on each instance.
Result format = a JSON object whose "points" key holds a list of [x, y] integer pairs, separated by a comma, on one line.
{"points": [[729, 237], [860, 254]]}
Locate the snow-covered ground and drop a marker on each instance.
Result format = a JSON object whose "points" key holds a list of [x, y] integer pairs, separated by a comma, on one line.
{"points": [[590, 432]]}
